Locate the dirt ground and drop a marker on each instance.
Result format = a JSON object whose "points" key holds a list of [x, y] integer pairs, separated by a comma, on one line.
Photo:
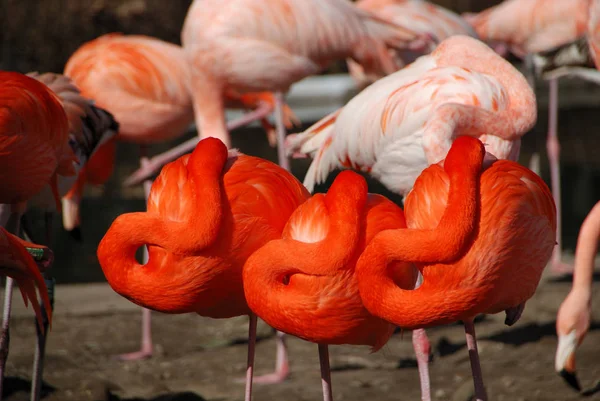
{"points": [[203, 359]]}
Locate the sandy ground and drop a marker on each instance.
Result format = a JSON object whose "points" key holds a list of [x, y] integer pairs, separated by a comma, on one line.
{"points": [[202, 359]]}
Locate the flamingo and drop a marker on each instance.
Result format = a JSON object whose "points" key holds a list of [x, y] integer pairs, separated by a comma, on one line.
{"points": [[423, 17], [526, 27], [34, 152], [304, 285], [248, 45], [484, 259], [89, 128], [573, 319], [407, 120], [207, 213], [396, 127], [144, 83]]}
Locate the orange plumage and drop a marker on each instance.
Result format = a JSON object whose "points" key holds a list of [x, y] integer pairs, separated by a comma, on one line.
{"points": [[17, 263], [304, 283], [481, 250], [34, 133], [207, 213]]}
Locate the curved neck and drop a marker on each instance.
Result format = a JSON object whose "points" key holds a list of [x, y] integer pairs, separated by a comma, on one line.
{"points": [[585, 253], [476, 56], [444, 244], [175, 278]]}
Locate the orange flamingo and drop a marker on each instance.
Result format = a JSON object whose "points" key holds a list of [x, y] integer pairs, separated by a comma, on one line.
{"points": [[89, 128], [484, 259], [144, 83], [573, 319], [34, 151], [207, 213], [526, 27], [303, 284], [251, 46]]}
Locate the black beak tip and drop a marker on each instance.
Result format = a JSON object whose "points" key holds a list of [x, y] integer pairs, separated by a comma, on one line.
{"points": [[571, 379], [76, 234]]}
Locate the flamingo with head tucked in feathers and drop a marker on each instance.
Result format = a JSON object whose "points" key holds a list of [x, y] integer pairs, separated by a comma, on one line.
{"points": [[527, 27], [145, 83], [207, 213], [487, 258]]}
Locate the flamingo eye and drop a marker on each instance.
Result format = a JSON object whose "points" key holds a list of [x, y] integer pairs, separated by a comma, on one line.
{"points": [[285, 280]]}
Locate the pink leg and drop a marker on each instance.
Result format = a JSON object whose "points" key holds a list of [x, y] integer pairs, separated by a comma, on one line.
{"points": [[153, 166], [284, 161], [282, 369], [325, 372], [251, 349], [422, 351], [146, 350], [553, 147], [480, 394]]}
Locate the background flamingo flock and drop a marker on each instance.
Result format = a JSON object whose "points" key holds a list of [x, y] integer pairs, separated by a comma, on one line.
{"points": [[438, 119]]}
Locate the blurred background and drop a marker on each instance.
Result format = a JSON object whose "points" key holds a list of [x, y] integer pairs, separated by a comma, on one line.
{"points": [[41, 35]]}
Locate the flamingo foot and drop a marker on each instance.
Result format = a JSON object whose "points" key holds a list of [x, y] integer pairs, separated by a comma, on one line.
{"points": [[273, 378], [144, 353]]}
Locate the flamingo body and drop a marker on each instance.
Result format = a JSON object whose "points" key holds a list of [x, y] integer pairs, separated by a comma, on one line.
{"points": [[207, 213], [532, 26], [254, 46], [304, 283], [408, 120], [497, 267], [142, 81], [33, 138], [423, 17]]}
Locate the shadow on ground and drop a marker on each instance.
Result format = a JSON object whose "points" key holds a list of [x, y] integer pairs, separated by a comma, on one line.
{"points": [[14, 385], [185, 396]]}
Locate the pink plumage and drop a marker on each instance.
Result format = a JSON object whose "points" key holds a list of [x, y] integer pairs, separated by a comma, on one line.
{"points": [[408, 120]]}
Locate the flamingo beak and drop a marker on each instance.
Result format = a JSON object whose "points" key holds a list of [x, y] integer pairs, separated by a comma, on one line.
{"points": [[565, 359]]}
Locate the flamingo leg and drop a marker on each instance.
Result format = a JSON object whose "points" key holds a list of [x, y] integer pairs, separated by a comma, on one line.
{"points": [[553, 148], [13, 227], [40, 350], [153, 166], [534, 162], [282, 367], [251, 348], [480, 394], [146, 349], [284, 161], [325, 372], [422, 350]]}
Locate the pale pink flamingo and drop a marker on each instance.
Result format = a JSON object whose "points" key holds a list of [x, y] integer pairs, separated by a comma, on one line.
{"points": [[145, 83], [526, 27], [250, 45], [408, 120], [421, 16], [573, 319]]}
